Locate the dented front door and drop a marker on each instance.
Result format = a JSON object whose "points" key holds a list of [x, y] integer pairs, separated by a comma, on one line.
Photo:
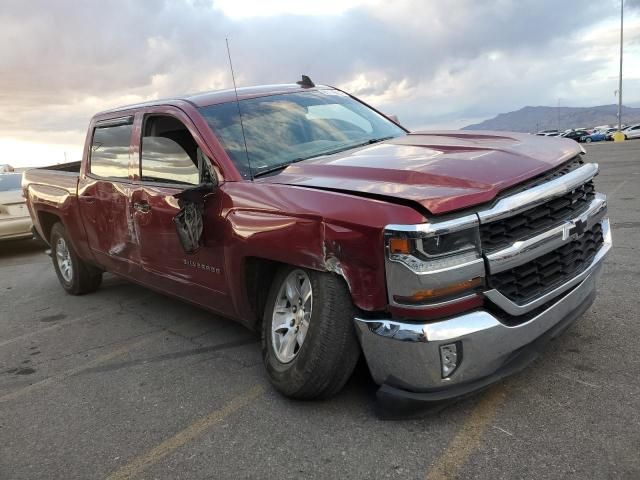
{"points": [[167, 154], [198, 275]]}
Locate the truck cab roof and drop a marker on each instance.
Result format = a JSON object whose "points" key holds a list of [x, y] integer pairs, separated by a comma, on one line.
{"points": [[215, 97]]}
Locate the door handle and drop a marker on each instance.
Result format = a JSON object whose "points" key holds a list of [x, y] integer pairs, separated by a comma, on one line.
{"points": [[143, 207]]}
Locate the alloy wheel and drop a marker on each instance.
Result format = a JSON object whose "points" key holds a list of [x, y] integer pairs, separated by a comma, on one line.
{"points": [[63, 257], [291, 315]]}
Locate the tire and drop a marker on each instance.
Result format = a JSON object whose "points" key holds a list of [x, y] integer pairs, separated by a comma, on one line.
{"points": [[329, 351], [588, 140], [75, 276]]}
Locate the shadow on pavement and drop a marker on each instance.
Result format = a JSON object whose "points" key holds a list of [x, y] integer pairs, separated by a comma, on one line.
{"points": [[15, 248]]}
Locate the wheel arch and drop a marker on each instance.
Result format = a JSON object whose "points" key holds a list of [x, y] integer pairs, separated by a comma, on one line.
{"points": [[46, 221], [259, 274]]}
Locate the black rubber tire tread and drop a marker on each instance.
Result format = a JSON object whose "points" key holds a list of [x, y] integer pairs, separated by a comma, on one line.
{"points": [[86, 279], [330, 351]]}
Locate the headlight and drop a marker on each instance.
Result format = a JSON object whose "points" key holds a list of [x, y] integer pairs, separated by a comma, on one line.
{"points": [[429, 264], [438, 252]]}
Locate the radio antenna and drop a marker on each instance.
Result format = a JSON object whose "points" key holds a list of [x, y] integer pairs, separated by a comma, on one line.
{"points": [[235, 89]]}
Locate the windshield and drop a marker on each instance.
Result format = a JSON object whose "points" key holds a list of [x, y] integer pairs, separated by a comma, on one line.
{"points": [[10, 181], [282, 129]]}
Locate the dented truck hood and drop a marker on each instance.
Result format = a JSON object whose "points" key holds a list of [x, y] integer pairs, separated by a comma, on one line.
{"points": [[442, 171]]}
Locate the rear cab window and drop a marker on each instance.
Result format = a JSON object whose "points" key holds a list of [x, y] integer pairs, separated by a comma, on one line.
{"points": [[110, 149]]}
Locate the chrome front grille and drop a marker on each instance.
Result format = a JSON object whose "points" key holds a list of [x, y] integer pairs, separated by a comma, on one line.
{"points": [[543, 274], [542, 240], [531, 222]]}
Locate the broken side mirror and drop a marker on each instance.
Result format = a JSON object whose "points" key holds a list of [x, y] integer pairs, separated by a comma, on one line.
{"points": [[189, 220]]}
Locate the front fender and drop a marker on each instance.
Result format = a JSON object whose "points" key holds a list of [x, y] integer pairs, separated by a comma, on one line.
{"points": [[307, 242]]}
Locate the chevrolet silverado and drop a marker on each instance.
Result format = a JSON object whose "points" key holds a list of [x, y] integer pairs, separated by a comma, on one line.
{"points": [[446, 258]]}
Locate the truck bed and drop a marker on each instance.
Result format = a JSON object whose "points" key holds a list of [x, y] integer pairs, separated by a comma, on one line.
{"points": [[63, 176]]}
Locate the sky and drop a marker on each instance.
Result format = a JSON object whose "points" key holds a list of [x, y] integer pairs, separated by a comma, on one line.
{"points": [[434, 64]]}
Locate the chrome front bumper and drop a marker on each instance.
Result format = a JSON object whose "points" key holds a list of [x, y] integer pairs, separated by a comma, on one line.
{"points": [[406, 355]]}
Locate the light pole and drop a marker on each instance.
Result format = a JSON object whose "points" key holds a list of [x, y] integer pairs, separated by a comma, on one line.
{"points": [[620, 79]]}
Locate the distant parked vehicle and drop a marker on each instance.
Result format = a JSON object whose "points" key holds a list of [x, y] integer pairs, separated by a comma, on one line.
{"points": [[632, 132], [609, 133], [575, 135], [15, 221], [548, 133], [596, 136], [6, 168]]}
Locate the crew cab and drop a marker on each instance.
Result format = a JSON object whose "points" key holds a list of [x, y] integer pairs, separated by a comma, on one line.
{"points": [[447, 258]]}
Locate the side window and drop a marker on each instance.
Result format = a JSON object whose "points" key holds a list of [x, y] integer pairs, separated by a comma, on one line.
{"points": [[168, 153], [110, 151]]}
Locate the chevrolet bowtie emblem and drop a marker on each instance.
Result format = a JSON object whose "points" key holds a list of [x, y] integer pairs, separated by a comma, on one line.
{"points": [[574, 230]]}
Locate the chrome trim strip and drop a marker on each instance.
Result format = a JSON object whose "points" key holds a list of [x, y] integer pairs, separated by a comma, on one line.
{"points": [[523, 251], [435, 228], [522, 201], [513, 308]]}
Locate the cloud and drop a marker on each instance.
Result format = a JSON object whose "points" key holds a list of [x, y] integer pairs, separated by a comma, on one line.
{"points": [[425, 61]]}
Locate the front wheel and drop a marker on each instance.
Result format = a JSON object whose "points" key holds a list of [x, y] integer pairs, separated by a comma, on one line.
{"points": [[75, 276], [309, 344], [587, 140]]}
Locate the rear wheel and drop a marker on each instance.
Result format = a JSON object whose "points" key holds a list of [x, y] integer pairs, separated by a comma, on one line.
{"points": [[309, 345], [75, 276]]}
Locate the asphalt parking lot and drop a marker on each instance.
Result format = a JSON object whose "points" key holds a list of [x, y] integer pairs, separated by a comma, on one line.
{"points": [[129, 383]]}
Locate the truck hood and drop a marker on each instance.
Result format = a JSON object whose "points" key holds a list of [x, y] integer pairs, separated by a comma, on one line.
{"points": [[442, 171]]}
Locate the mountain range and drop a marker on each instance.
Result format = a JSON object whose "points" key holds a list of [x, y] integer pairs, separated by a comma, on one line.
{"points": [[534, 119]]}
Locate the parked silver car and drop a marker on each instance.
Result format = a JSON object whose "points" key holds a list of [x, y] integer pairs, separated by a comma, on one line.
{"points": [[15, 222]]}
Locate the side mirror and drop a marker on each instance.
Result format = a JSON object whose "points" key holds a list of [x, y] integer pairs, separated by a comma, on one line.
{"points": [[189, 220]]}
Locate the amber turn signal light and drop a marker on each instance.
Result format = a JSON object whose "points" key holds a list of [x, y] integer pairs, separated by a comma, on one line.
{"points": [[435, 293], [399, 245]]}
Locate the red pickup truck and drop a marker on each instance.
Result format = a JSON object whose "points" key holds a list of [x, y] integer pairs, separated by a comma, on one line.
{"points": [[447, 258]]}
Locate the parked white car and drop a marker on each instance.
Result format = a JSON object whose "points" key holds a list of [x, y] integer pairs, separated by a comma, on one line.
{"points": [[548, 133], [632, 132]]}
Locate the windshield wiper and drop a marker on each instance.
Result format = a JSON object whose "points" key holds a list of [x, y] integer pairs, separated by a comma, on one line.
{"points": [[275, 168], [349, 147], [282, 166], [356, 145]]}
